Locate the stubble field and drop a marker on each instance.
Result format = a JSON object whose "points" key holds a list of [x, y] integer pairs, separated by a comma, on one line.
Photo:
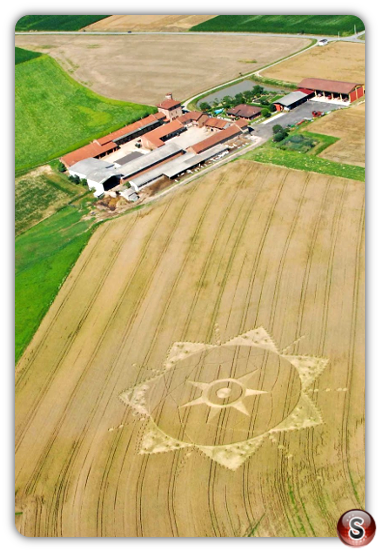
{"points": [[272, 443], [148, 23], [343, 61], [116, 66], [349, 126]]}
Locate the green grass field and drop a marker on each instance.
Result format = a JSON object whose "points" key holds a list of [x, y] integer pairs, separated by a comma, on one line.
{"points": [[56, 22], [273, 154], [306, 24], [44, 256], [22, 55], [41, 193], [54, 114]]}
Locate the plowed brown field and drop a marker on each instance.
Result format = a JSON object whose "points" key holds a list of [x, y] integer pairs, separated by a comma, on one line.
{"points": [[149, 23], [344, 61], [143, 68], [107, 441], [349, 126]]}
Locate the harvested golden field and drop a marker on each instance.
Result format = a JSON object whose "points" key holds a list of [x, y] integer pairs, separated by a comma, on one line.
{"points": [[349, 126], [148, 23], [144, 68], [343, 61], [201, 372]]}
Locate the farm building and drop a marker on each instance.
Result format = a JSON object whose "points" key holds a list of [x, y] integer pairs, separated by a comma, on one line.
{"points": [[245, 111], [329, 89], [100, 175], [170, 108], [111, 142], [217, 138], [156, 138], [214, 123], [176, 166], [191, 117], [292, 100]]}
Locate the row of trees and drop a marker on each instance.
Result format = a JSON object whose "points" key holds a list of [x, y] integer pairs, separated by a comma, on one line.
{"points": [[74, 179], [256, 95]]}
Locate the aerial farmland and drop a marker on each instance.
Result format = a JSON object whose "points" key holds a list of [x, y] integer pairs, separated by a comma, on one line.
{"points": [[190, 279]]}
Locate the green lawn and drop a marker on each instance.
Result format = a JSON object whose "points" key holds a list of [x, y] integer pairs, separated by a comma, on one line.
{"points": [[22, 55], [54, 114], [272, 154], [307, 24], [40, 194], [44, 256], [56, 22]]}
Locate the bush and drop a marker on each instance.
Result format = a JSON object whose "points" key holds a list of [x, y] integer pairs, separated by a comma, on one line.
{"points": [[61, 167], [74, 179], [272, 108], [265, 113], [277, 128], [83, 181], [280, 136]]}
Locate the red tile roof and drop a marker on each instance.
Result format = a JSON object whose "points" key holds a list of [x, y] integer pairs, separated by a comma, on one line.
{"points": [[169, 104], [131, 128], [190, 116], [216, 138], [91, 150], [242, 123], [305, 90], [155, 136], [339, 87], [215, 122], [245, 111]]}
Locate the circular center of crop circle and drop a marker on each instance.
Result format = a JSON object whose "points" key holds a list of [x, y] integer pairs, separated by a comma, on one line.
{"points": [[223, 393]]}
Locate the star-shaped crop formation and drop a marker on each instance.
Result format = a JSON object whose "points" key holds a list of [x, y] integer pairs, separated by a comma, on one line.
{"points": [[224, 405]]}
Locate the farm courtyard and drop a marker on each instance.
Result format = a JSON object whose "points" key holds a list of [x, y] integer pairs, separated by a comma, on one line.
{"points": [[143, 68], [110, 435]]}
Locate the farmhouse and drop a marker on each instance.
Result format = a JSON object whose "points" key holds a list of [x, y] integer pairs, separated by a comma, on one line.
{"points": [[245, 111], [156, 138], [330, 89], [292, 100], [170, 108]]}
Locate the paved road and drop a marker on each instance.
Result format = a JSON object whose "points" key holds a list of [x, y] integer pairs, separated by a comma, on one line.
{"points": [[304, 111], [352, 38]]}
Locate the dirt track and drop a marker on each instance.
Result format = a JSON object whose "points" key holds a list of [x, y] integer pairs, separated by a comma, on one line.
{"points": [[249, 245], [143, 69], [349, 126], [343, 61], [148, 23]]}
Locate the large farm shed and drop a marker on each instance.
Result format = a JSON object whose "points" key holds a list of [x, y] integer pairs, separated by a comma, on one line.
{"points": [[176, 166], [292, 100], [331, 89]]}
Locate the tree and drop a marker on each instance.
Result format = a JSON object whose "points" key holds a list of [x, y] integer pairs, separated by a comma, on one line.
{"points": [[205, 106], [74, 179], [272, 108], [83, 181], [277, 128], [61, 167], [265, 113]]}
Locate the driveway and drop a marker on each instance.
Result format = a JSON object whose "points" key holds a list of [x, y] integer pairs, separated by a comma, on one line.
{"points": [[304, 111]]}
